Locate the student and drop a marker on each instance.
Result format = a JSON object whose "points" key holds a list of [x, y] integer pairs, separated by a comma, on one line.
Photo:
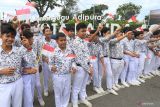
{"points": [[128, 74], [62, 65], [97, 57], [116, 56], [29, 68], [84, 69], [45, 58], [11, 83], [105, 40]]}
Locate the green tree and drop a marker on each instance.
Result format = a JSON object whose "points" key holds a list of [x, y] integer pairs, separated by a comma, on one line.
{"points": [[44, 5], [69, 8], [128, 10], [97, 9]]}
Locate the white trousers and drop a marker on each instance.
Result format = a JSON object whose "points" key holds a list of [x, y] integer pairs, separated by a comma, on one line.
{"points": [[62, 89], [11, 94], [109, 75], [46, 75], [141, 63], [117, 67], [97, 75], [79, 85], [147, 66], [28, 90]]}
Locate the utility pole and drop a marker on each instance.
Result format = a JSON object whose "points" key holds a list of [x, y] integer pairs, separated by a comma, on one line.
{"points": [[93, 14]]}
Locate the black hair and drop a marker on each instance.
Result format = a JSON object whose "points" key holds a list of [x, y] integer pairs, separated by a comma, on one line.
{"points": [[7, 28], [146, 30], [137, 33], [126, 29], [81, 26], [157, 32], [104, 30], [93, 31], [27, 33], [58, 35], [25, 26], [45, 29], [69, 27]]}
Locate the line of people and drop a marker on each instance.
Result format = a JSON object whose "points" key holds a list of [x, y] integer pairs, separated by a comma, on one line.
{"points": [[126, 57]]}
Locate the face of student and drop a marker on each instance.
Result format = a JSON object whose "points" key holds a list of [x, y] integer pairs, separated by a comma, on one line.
{"points": [[47, 32], [140, 36], [82, 33], [71, 33], [107, 33], [130, 35], [61, 41], [119, 34], [8, 39]]}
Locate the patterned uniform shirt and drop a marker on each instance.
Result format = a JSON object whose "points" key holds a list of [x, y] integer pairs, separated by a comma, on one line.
{"points": [[116, 49], [11, 59], [128, 45], [29, 60], [95, 49], [62, 61], [80, 49]]}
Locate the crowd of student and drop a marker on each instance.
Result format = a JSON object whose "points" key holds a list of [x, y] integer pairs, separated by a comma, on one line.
{"points": [[125, 58]]}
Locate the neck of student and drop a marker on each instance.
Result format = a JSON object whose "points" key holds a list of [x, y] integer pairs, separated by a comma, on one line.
{"points": [[6, 48], [48, 39], [62, 48]]}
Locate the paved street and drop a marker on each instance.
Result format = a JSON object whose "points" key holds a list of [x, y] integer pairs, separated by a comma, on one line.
{"points": [[147, 95]]}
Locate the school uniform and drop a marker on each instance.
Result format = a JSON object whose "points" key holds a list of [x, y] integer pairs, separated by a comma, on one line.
{"points": [[140, 48], [129, 72], [29, 61], [11, 87], [106, 52], [80, 49], [96, 52], [62, 77], [117, 62], [45, 67]]}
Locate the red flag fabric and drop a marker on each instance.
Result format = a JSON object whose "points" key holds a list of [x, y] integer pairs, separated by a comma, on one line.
{"points": [[71, 56], [32, 4], [47, 50], [139, 29], [23, 11], [92, 57], [132, 19]]}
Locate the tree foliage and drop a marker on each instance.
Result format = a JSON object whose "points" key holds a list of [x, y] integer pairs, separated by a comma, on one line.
{"points": [[128, 10], [44, 5]]}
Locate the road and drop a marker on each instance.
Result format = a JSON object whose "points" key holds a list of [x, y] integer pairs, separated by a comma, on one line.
{"points": [[146, 95]]}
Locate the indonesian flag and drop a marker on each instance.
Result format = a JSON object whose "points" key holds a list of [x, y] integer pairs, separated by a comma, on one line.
{"points": [[110, 16], [139, 29], [92, 57], [9, 15], [23, 11], [89, 28], [86, 40], [132, 19], [47, 50], [32, 4], [71, 56]]}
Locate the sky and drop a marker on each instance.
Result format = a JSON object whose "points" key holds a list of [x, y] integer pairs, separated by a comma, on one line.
{"points": [[9, 6]]}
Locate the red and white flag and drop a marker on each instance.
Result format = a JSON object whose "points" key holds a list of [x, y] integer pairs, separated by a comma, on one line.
{"points": [[32, 4], [47, 50], [71, 56], [23, 11], [139, 29], [9, 15], [110, 16], [132, 19]]}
